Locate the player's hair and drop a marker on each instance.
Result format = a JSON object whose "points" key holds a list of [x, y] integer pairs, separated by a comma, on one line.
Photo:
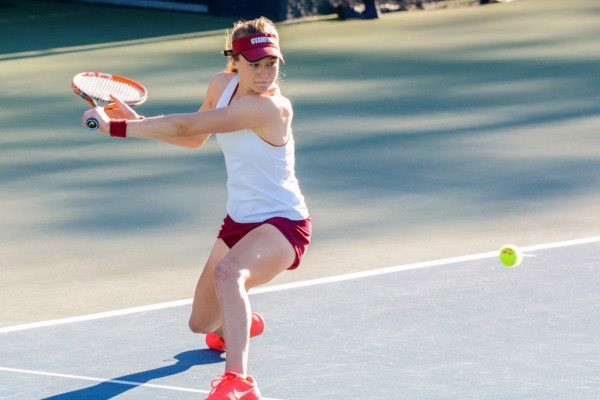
{"points": [[246, 28]]}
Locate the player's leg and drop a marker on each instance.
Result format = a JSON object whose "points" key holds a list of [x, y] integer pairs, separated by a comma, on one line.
{"points": [[206, 311], [256, 259]]}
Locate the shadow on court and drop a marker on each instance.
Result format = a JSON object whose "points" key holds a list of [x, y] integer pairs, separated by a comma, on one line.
{"points": [[419, 136], [118, 386], [48, 27]]}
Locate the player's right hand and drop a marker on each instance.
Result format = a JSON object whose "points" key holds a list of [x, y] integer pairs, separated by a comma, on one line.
{"points": [[100, 116]]}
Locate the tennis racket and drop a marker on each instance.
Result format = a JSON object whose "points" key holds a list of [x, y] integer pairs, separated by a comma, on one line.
{"points": [[96, 88]]}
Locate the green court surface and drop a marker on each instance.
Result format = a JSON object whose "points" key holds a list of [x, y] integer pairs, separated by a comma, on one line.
{"points": [[419, 136]]}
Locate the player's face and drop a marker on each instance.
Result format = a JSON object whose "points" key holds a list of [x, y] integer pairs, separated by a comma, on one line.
{"points": [[258, 76]]}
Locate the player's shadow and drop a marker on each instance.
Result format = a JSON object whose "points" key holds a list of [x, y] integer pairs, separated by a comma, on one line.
{"points": [[120, 385]]}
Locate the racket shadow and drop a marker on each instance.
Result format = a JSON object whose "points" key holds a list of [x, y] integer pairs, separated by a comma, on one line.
{"points": [[117, 386]]}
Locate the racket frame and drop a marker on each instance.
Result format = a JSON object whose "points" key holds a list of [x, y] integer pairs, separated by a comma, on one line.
{"points": [[95, 101], [92, 123]]}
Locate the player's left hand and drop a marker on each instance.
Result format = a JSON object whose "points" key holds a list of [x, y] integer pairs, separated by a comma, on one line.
{"points": [[119, 110]]}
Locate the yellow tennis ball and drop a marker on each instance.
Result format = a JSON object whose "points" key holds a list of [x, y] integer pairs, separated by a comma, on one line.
{"points": [[510, 255]]}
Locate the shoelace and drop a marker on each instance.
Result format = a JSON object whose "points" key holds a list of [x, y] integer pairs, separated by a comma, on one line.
{"points": [[215, 384]]}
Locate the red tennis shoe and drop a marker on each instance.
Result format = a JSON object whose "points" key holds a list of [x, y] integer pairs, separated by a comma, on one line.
{"points": [[216, 342], [232, 386]]}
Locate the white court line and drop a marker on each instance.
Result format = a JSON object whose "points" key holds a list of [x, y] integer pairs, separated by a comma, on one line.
{"points": [[425, 264], [88, 317], [294, 285], [103, 380]]}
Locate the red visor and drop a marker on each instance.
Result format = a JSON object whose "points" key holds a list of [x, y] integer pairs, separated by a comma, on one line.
{"points": [[256, 47]]}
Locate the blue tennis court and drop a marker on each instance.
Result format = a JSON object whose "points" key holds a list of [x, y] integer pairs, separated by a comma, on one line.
{"points": [[421, 137], [465, 328]]}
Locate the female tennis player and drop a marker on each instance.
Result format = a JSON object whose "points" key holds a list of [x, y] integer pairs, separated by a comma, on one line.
{"points": [[267, 227]]}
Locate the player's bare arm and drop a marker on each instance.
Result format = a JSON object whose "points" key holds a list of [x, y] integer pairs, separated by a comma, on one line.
{"points": [[261, 113]]}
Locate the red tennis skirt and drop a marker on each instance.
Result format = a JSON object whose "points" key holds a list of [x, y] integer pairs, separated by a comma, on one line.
{"points": [[296, 232]]}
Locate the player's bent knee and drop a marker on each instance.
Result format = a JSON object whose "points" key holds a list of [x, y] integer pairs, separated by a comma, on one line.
{"points": [[227, 275], [194, 327], [198, 327]]}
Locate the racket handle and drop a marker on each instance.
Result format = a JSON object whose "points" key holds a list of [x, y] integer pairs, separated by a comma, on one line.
{"points": [[92, 124]]}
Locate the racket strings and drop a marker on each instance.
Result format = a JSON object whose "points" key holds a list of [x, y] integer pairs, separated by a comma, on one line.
{"points": [[101, 88]]}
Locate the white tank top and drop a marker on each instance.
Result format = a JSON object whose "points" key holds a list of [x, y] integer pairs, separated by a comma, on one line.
{"points": [[261, 178]]}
